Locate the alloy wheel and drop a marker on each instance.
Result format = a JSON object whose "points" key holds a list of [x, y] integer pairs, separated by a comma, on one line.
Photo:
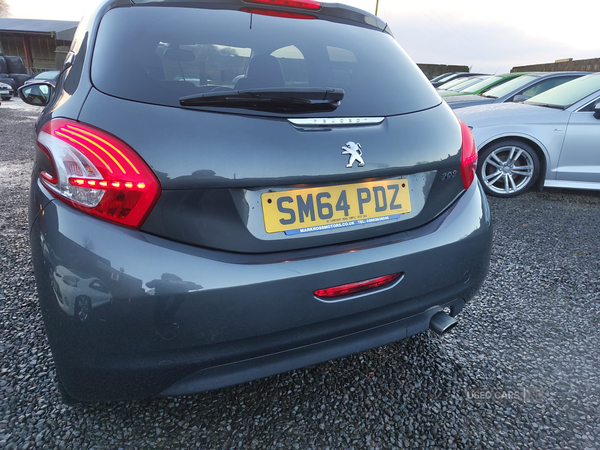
{"points": [[507, 170]]}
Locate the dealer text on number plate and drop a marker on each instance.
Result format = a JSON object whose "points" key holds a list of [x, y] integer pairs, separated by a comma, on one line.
{"points": [[327, 208]]}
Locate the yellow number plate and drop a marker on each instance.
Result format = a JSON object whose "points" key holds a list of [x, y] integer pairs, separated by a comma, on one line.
{"points": [[333, 207]]}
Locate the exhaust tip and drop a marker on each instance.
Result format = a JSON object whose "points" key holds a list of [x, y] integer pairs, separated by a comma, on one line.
{"points": [[442, 322]]}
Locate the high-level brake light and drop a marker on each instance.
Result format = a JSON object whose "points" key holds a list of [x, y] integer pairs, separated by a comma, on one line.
{"points": [[299, 4], [273, 13], [346, 290], [97, 173]]}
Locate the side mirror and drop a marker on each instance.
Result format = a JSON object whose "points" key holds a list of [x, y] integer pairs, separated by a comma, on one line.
{"points": [[597, 111], [37, 94], [520, 98]]}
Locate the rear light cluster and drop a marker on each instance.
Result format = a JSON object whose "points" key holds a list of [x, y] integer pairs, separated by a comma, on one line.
{"points": [[346, 290], [468, 162], [97, 173]]}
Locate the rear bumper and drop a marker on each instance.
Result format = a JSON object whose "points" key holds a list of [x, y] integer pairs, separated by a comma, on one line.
{"points": [[183, 319]]}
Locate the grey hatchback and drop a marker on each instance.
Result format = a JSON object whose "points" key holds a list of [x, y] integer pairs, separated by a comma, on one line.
{"points": [[225, 190]]}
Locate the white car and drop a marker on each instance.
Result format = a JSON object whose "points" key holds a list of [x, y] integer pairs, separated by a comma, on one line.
{"points": [[6, 91], [78, 293], [552, 139]]}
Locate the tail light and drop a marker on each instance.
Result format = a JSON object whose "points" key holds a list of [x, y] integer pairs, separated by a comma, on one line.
{"points": [[97, 173], [468, 162], [356, 288], [300, 4]]}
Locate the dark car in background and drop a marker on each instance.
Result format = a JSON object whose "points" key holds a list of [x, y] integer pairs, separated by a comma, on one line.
{"points": [[13, 71], [516, 90], [253, 187], [50, 75]]}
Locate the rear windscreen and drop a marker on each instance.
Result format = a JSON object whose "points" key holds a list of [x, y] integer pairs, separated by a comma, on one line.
{"points": [[158, 54]]}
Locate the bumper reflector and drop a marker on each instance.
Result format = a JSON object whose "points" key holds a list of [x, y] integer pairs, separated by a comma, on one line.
{"points": [[357, 287]]}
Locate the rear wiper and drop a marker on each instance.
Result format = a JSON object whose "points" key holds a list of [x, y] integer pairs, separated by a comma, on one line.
{"points": [[304, 99]]}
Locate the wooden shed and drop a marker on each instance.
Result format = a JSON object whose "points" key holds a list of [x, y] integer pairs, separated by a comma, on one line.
{"points": [[42, 44]]}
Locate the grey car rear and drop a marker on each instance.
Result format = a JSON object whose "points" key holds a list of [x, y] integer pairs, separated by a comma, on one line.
{"points": [[257, 127]]}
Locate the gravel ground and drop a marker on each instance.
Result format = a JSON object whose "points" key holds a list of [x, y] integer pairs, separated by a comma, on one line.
{"points": [[534, 329]]}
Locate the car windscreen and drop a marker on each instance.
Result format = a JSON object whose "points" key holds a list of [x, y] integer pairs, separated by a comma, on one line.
{"points": [[509, 86], [47, 75], [569, 93], [481, 85], [438, 78], [465, 84], [158, 55], [456, 82], [447, 78]]}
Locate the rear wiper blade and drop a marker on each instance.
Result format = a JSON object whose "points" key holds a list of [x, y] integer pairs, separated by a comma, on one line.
{"points": [[292, 98]]}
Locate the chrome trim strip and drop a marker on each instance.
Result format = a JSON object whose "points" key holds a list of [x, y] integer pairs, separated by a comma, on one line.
{"points": [[586, 105], [337, 122], [589, 185]]}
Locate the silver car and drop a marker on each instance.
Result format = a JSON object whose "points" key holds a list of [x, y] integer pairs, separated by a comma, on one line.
{"points": [[6, 91], [550, 140]]}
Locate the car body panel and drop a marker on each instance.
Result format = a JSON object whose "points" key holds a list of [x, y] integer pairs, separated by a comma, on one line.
{"points": [[580, 156], [177, 309], [227, 171], [311, 156]]}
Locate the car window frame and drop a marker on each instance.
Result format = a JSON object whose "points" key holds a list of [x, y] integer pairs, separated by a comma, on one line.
{"points": [[574, 77], [591, 105]]}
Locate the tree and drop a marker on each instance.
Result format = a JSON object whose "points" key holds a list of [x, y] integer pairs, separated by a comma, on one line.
{"points": [[4, 8]]}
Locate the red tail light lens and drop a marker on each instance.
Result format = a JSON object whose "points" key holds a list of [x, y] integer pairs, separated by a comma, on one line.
{"points": [[273, 13], [468, 163], [355, 288], [301, 4], [97, 173]]}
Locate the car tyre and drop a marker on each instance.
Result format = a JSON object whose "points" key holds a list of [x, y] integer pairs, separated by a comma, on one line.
{"points": [[83, 308], [508, 168]]}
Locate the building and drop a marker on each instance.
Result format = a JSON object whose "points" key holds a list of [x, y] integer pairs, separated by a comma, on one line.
{"points": [[42, 44], [567, 64], [433, 70]]}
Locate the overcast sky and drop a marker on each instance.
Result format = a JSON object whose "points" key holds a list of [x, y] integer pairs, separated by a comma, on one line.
{"points": [[487, 36]]}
